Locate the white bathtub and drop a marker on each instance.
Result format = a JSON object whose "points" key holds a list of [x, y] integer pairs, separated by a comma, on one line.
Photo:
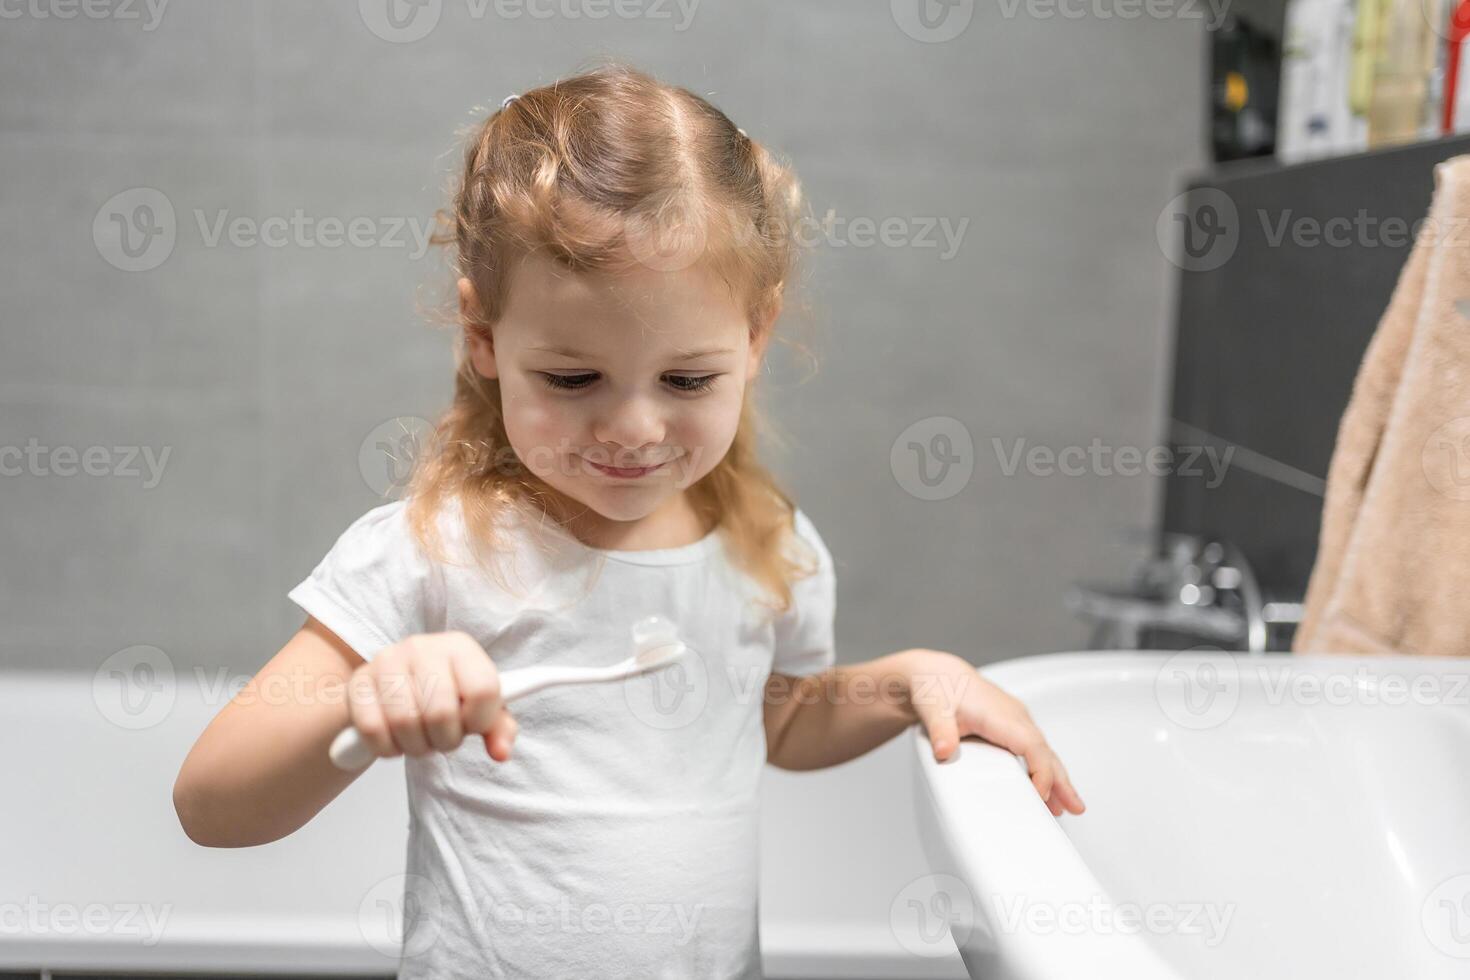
{"points": [[1268, 816], [96, 874]]}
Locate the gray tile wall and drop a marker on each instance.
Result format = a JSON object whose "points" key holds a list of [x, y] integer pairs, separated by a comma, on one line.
{"points": [[261, 369]]}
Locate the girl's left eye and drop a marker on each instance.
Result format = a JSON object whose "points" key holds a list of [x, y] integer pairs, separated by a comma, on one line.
{"points": [[679, 382]]}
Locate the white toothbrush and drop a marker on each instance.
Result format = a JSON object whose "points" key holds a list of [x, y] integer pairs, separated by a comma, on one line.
{"points": [[655, 643]]}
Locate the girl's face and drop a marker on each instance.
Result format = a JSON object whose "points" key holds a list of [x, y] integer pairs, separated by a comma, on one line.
{"points": [[648, 369]]}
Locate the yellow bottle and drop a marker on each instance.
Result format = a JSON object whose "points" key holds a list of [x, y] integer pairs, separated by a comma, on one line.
{"points": [[1395, 59]]}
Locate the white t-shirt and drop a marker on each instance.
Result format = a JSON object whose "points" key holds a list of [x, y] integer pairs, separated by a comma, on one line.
{"points": [[621, 838]]}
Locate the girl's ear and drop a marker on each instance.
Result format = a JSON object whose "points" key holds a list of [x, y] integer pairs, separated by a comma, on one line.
{"points": [[478, 340]]}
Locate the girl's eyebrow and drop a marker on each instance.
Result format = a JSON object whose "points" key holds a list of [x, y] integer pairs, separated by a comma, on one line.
{"points": [[683, 356]]}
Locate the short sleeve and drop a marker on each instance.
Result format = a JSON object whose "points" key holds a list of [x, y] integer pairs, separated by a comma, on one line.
{"points": [[804, 633], [373, 587]]}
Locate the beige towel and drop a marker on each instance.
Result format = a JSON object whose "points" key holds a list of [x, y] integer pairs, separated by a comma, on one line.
{"points": [[1392, 573]]}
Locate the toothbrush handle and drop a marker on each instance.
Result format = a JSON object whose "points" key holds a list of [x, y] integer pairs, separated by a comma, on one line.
{"points": [[350, 751], [526, 680]]}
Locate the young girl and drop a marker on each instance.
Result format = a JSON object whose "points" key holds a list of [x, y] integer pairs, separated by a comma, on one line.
{"points": [[598, 465]]}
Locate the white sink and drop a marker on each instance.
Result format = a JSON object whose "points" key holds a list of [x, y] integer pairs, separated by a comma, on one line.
{"points": [[1283, 816]]}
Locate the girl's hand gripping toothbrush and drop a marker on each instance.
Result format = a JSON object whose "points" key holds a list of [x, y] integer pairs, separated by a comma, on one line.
{"points": [[656, 643]]}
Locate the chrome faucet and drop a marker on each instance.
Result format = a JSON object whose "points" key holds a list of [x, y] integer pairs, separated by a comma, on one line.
{"points": [[1197, 586]]}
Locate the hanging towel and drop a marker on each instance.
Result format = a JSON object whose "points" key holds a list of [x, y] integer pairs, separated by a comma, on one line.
{"points": [[1392, 572]]}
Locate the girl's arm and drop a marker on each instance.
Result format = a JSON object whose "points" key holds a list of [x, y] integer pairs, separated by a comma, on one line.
{"points": [[828, 718], [805, 729], [260, 770]]}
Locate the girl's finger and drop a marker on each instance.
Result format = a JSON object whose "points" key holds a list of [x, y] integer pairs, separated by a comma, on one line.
{"points": [[395, 693], [1042, 775], [1071, 799], [478, 681], [439, 703], [940, 725], [367, 714], [501, 736]]}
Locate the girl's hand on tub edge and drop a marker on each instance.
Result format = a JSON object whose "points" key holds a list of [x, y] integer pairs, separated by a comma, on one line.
{"points": [[951, 700]]}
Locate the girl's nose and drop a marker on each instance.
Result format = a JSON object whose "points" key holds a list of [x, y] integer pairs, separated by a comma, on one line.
{"points": [[632, 425]]}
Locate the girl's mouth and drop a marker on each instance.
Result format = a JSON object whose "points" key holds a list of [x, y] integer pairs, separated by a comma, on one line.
{"points": [[622, 472]]}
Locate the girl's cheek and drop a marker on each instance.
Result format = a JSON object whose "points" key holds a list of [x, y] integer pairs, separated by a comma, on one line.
{"points": [[537, 413]]}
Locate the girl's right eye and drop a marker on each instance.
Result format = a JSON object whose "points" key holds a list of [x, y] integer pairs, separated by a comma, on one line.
{"points": [[567, 380]]}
